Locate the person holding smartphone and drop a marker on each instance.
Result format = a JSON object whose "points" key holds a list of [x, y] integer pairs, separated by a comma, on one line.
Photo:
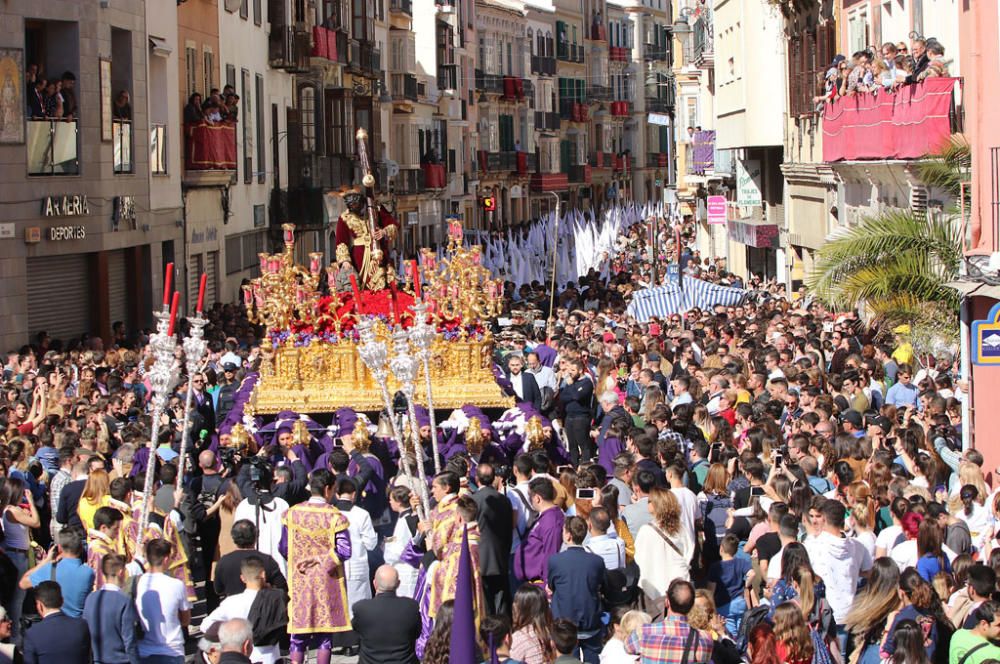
{"points": [[17, 524]]}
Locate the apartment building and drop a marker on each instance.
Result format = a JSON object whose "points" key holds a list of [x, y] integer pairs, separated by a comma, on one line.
{"points": [[90, 192]]}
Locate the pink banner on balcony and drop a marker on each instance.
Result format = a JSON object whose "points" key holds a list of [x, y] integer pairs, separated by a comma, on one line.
{"points": [[211, 147], [324, 43], [906, 124]]}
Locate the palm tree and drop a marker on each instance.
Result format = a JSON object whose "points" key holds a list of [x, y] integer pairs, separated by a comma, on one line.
{"points": [[896, 264]]}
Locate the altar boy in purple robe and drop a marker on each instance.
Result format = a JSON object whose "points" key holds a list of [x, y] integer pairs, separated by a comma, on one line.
{"points": [[544, 537]]}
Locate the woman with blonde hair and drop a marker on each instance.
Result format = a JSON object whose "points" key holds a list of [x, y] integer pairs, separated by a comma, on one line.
{"points": [[96, 494], [862, 520], [705, 618], [866, 621], [663, 549], [624, 623]]}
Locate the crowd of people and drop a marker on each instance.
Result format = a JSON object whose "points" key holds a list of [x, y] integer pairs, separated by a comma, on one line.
{"points": [[767, 482], [219, 107], [50, 98], [893, 66]]}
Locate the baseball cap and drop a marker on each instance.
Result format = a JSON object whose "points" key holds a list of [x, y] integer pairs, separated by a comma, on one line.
{"points": [[653, 357], [229, 366], [854, 417]]}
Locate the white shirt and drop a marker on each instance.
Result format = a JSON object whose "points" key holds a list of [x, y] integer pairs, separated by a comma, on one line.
{"points": [[614, 653], [905, 555], [363, 540], [268, 522], [159, 600], [839, 561], [980, 524], [238, 606], [517, 382], [610, 549], [689, 507], [544, 376], [520, 510], [889, 537], [680, 399]]}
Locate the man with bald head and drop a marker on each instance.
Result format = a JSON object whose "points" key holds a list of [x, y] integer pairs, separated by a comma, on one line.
{"points": [[387, 626], [206, 488]]}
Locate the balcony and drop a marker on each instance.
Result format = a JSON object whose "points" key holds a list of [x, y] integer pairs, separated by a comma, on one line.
{"points": [[579, 174], [434, 176], [656, 160], [527, 163], [704, 40], [658, 105], [508, 161], [655, 52], [621, 163], [573, 111], [53, 147], [621, 109], [602, 160], [326, 172], [546, 121], [596, 93], [489, 83], [209, 153], [409, 182], [364, 59], [598, 31], [447, 77], [543, 65], [288, 49], [541, 182], [403, 87], [121, 142], [567, 52], [328, 44], [401, 6], [618, 54], [908, 124]]}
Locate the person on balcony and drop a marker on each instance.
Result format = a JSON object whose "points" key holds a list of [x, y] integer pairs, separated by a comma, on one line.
{"points": [[122, 109], [68, 92], [36, 98], [53, 101], [936, 64], [193, 113]]}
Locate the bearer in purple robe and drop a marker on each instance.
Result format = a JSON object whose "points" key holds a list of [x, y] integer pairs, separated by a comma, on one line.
{"points": [[544, 537]]}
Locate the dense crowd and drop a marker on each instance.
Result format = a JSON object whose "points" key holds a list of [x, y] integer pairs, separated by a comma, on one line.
{"points": [[767, 482]]}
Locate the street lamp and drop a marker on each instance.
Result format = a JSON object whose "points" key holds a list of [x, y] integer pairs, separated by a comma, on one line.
{"points": [[682, 26]]}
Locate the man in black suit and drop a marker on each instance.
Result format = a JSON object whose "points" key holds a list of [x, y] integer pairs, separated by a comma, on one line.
{"points": [[202, 402], [387, 626], [577, 578], [525, 386], [57, 639], [496, 534]]}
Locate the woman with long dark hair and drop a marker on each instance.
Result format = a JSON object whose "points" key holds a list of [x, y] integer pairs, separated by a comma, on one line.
{"points": [[909, 638], [931, 557], [439, 642], [921, 605], [866, 621], [19, 514], [531, 642]]}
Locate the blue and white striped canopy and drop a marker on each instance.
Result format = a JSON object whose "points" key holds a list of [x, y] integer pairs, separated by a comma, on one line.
{"points": [[670, 299]]}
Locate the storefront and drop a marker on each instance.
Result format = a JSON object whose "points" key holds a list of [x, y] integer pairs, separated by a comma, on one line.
{"points": [[760, 241]]}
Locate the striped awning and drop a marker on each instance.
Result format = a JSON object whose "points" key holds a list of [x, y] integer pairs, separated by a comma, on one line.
{"points": [[670, 299]]}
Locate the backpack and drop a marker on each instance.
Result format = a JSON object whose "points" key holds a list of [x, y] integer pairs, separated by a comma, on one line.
{"points": [[751, 619]]}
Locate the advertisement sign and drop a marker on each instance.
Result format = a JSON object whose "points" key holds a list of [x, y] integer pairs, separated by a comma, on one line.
{"points": [[748, 177], [754, 234], [986, 339], [717, 210]]}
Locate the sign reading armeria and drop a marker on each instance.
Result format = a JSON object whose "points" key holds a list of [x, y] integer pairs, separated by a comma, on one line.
{"points": [[67, 233], [65, 206]]}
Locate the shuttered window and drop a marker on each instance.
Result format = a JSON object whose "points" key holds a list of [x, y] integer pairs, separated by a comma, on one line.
{"points": [[59, 295], [117, 287]]}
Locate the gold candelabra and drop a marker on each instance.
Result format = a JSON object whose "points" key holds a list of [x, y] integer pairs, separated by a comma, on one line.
{"points": [[284, 292], [460, 286]]}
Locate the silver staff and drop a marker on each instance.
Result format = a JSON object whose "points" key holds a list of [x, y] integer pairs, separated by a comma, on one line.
{"points": [[194, 350], [422, 336], [404, 368]]}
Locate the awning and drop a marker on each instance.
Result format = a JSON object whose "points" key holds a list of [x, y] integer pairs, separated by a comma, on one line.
{"points": [[753, 233], [159, 46], [976, 288]]}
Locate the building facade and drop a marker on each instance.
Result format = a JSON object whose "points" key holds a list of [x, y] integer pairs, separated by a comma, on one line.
{"points": [[91, 199]]}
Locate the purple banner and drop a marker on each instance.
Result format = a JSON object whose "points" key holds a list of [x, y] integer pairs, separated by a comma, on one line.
{"points": [[703, 151]]}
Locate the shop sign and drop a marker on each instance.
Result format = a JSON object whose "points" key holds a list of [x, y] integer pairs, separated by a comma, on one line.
{"points": [[986, 339], [65, 206], [58, 233], [7, 230], [717, 210], [658, 119], [759, 235], [208, 235], [748, 183]]}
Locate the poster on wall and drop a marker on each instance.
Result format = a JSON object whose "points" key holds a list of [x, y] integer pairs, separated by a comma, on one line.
{"points": [[748, 183], [105, 72], [12, 89], [986, 339]]}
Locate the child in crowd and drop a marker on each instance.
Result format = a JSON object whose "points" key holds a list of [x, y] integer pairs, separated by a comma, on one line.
{"points": [[728, 579]]}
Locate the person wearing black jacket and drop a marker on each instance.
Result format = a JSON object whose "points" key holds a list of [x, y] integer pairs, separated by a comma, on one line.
{"points": [[387, 626], [496, 535], [576, 396], [290, 480], [204, 490]]}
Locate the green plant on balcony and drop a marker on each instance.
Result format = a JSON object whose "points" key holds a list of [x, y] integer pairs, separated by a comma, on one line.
{"points": [[895, 265]]}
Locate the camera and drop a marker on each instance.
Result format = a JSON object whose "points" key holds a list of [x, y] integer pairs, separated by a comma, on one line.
{"points": [[229, 458], [260, 473]]}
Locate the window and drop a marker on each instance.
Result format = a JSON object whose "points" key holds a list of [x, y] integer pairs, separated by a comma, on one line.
{"points": [[209, 59], [244, 9], [231, 76], [259, 98], [158, 149], [256, 12], [809, 53], [246, 93], [858, 31], [234, 259], [191, 69], [307, 109], [360, 25], [341, 137]]}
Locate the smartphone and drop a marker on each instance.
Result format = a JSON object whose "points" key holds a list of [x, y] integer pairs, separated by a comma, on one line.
{"points": [[585, 494], [714, 450], [562, 469], [778, 459], [756, 491]]}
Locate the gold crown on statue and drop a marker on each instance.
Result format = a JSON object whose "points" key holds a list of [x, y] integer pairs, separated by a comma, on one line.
{"points": [[343, 254]]}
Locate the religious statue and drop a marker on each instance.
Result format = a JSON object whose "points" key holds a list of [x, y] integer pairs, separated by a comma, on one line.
{"points": [[343, 270], [365, 233]]}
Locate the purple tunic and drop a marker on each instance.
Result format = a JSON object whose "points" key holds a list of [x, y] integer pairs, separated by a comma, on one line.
{"points": [[606, 453], [543, 540]]}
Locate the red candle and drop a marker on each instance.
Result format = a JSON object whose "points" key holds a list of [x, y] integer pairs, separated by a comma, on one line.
{"points": [[201, 293], [173, 313], [357, 293], [392, 304], [247, 297], [416, 278], [167, 280]]}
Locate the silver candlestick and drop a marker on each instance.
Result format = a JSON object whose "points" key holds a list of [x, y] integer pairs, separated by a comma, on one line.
{"points": [[161, 375], [404, 368], [194, 350], [422, 336], [375, 355]]}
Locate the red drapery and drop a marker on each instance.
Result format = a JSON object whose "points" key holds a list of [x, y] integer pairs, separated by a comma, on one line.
{"points": [[906, 124], [211, 147]]}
